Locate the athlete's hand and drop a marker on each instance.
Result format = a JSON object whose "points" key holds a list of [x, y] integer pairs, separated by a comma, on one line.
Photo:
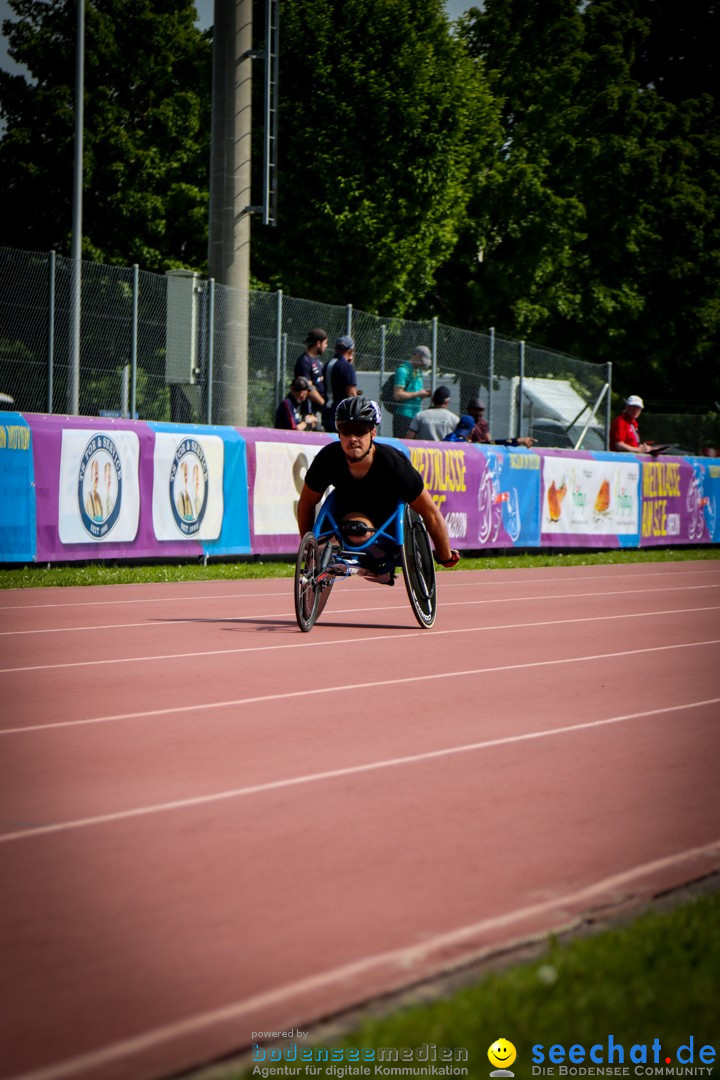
{"points": [[452, 561]]}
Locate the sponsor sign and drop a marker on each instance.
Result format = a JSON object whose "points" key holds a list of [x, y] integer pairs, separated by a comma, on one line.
{"points": [[17, 490], [99, 493], [187, 501], [589, 499], [280, 469]]}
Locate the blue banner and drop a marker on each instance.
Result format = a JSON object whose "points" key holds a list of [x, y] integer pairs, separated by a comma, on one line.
{"points": [[200, 488], [17, 490]]}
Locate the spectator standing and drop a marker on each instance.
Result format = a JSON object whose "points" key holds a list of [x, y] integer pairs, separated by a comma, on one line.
{"points": [[408, 390], [339, 379], [294, 412], [481, 429], [624, 435], [309, 365], [437, 421]]}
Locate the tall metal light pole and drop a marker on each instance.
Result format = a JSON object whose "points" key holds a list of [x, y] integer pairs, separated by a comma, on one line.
{"points": [[73, 401], [230, 209]]}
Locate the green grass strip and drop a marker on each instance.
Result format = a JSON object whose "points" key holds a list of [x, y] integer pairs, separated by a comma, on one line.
{"points": [[30, 577], [656, 978]]}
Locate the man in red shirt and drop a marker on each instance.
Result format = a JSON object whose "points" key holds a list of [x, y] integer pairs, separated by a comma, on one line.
{"points": [[624, 428]]}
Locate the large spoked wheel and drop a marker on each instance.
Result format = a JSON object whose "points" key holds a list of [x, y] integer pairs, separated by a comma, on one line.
{"points": [[307, 591], [419, 569]]}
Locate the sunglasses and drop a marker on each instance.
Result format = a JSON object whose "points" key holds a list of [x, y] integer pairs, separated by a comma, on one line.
{"points": [[356, 528], [354, 427]]}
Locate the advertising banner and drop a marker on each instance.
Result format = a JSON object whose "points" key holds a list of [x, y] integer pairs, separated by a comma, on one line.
{"points": [[17, 490], [200, 489], [80, 488], [99, 488], [277, 463], [488, 497], [97, 484], [680, 497], [590, 500]]}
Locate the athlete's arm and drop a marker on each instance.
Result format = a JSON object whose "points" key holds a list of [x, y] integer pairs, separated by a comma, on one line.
{"points": [[306, 509], [436, 526]]}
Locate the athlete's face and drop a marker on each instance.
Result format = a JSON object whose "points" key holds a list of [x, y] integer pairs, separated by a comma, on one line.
{"points": [[356, 440]]}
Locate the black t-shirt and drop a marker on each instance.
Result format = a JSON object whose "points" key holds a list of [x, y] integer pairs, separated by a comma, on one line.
{"points": [[391, 479]]}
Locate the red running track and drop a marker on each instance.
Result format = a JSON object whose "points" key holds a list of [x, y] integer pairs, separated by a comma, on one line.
{"points": [[213, 825]]}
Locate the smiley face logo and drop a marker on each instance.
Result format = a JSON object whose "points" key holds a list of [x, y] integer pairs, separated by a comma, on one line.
{"points": [[502, 1054]]}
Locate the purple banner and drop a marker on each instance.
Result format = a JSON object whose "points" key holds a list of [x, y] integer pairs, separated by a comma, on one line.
{"points": [[95, 485], [488, 496], [277, 463], [122, 489], [678, 502]]}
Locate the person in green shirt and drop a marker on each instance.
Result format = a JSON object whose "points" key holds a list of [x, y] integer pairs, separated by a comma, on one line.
{"points": [[409, 391]]}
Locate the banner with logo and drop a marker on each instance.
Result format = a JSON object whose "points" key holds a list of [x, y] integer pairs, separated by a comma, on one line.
{"points": [[680, 501], [199, 489], [80, 488], [96, 488], [17, 490], [99, 486], [590, 500], [489, 497], [277, 463]]}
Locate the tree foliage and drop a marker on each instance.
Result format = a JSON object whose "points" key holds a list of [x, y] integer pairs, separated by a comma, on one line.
{"points": [[146, 131], [547, 167], [382, 118], [598, 222]]}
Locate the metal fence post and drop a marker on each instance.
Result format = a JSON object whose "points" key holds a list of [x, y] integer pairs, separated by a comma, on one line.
{"points": [[211, 347], [349, 319], [51, 332], [134, 340], [279, 387], [519, 425], [433, 371], [491, 376], [608, 410], [284, 363]]}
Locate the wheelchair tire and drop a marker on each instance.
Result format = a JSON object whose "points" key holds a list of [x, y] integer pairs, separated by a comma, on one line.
{"points": [[419, 569], [307, 592]]}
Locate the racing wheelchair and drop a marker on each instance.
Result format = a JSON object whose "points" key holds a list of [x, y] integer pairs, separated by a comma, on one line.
{"points": [[323, 558]]}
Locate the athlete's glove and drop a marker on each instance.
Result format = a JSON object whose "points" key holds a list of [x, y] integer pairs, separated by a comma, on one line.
{"points": [[452, 561]]}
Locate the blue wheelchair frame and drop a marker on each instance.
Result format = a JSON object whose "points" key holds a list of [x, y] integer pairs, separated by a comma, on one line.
{"points": [[326, 525]]}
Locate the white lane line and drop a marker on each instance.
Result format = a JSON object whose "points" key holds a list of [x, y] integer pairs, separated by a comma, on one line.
{"points": [[403, 960], [334, 774], [290, 694], [154, 623], [479, 581], [366, 639]]}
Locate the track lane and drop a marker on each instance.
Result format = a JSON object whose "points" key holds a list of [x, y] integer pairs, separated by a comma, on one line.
{"points": [[167, 937]]}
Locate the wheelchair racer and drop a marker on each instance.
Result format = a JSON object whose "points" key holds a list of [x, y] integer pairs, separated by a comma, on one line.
{"points": [[370, 479]]}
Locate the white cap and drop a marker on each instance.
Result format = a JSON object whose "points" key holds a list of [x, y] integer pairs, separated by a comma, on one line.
{"points": [[635, 400]]}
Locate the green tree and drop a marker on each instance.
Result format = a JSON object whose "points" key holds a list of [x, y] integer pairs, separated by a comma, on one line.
{"points": [[146, 149], [382, 118], [597, 222]]}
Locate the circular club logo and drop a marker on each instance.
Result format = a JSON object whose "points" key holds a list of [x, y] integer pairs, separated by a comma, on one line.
{"points": [[100, 486], [189, 486]]}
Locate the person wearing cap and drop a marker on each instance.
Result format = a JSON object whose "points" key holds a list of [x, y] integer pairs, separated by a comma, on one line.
{"points": [[624, 434], [294, 412], [437, 421], [309, 365], [481, 429], [339, 379], [408, 390]]}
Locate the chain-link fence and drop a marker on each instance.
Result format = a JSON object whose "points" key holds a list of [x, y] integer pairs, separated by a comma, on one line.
{"points": [[166, 348]]}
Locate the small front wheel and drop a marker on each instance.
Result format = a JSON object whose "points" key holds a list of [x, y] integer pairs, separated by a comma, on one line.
{"points": [[307, 590]]}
